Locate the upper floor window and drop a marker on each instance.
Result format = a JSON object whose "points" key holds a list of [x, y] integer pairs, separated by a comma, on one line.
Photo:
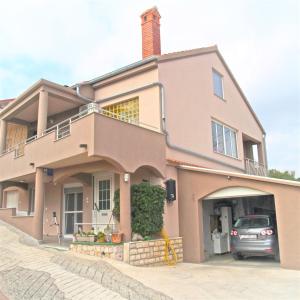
{"points": [[127, 111], [218, 84], [224, 139]]}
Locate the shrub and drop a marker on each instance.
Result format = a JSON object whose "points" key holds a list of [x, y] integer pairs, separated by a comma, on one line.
{"points": [[147, 208]]}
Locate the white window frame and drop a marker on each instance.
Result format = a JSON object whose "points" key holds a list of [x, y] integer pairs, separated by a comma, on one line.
{"points": [[222, 83], [66, 186], [232, 130]]}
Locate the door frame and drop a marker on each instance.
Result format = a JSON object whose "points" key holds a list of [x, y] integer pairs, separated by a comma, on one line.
{"points": [[68, 186], [104, 176]]}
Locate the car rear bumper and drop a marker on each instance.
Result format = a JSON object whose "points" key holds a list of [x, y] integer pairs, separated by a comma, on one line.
{"points": [[259, 247]]}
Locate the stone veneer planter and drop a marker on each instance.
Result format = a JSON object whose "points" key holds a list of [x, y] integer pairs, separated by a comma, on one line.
{"points": [[150, 253], [141, 253], [114, 251]]}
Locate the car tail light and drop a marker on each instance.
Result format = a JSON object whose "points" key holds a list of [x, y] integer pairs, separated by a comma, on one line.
{"points": [[267, 232], [233, 232]]}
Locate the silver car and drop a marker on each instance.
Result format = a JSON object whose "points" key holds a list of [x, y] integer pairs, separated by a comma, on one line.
{"points": [[254, 235]]}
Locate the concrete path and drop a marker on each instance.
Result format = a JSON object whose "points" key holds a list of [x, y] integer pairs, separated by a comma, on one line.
{"points": [[28, 273]]}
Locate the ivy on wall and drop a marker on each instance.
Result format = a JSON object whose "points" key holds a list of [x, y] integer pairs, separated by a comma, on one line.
{"points": [[147, 208]]}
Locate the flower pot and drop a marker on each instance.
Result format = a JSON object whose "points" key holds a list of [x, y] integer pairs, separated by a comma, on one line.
{"points": [[90, 239], [101, 240], [116, 238]]}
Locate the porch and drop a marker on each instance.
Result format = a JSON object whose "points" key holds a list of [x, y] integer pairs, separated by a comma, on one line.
{"points": [[72, 199]]}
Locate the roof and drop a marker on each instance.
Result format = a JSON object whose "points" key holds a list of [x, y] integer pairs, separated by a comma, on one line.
{"points": [[4, 102], [179, 55]]}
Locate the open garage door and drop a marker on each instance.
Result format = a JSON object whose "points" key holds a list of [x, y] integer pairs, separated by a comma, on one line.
{"points": [[254, 213]]}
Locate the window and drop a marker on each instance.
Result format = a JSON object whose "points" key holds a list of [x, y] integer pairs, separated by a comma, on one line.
{"points": [[104, 194], [127, 111], [218, 84], [224, 139]]}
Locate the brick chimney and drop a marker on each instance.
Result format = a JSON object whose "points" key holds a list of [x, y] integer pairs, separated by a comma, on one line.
{"points": [[151, 32]]}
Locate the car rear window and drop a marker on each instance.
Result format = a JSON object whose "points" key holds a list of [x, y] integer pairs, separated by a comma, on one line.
{"points": [[256, 222]]}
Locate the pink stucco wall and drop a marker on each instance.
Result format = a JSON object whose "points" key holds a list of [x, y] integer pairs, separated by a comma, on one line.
{"points": [[191, 105]]}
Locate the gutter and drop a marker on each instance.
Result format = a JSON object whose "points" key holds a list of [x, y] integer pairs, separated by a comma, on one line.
{"points": [[77, 86], [164, 123]]}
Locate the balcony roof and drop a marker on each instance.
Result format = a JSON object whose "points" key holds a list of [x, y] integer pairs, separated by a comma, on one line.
{"points": [[25, 106]]}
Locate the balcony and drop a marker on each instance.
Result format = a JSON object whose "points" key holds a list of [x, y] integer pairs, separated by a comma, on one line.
{"points": [[254, 168], [91, 135]]}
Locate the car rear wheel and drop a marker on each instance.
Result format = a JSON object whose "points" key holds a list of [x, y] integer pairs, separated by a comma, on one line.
{"points": [[237, 256]]}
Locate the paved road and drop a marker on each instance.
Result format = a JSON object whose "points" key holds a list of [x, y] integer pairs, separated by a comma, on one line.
{"points": [[28, 273]]}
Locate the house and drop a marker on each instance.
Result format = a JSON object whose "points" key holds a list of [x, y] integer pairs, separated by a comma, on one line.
{"points": [[180, 116]]}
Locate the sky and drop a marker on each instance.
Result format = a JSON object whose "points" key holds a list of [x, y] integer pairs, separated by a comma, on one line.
{"points": [[69, 41]]}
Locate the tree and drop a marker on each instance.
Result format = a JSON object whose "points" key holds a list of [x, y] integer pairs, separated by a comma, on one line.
{"points": [[288, 175]]}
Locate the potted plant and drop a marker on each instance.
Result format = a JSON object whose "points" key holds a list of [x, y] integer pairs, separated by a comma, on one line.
{"points": [[85, 237], [108, 232], [100, 237], [116, 237]]}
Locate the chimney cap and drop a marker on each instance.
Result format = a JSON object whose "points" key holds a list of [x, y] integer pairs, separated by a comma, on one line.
{"points": [[153, 10]]}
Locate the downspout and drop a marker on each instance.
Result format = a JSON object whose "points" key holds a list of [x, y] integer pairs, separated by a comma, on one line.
{"points": [[265, 153], [178, 148], [163, 121], [81, 96]]}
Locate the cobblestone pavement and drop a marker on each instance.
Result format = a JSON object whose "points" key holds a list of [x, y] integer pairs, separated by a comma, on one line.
{"points": [[28, 273]]}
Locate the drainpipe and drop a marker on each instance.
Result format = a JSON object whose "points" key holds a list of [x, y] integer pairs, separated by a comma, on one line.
{"points": [[163, 121], [81, 96], [178, 148], [265, 153]]}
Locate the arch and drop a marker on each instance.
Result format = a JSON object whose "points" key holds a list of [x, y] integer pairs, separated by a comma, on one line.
{"points": [[105, 164], [153, 169], [235, 191]]}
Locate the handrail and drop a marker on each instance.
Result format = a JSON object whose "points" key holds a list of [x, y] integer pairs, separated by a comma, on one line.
{"points": [[62, 129], [253, 167]]}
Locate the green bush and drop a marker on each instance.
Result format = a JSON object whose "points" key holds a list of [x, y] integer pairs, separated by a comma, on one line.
{"points": [[147, 208]]}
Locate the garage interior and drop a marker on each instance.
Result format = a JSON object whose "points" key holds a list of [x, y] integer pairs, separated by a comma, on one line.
{"points": [[222, 209]]}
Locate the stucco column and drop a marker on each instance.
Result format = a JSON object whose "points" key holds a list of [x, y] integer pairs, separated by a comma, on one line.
{"points": [[42, 113], [3, 130], [39, 204], [125, 207], [1, 195]]}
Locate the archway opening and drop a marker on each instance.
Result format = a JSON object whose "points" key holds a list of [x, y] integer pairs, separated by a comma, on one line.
{"points": [[239, 227]]}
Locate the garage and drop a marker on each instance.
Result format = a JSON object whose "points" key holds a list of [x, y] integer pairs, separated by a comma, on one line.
{"points": [[204, 193], [256, 213]]}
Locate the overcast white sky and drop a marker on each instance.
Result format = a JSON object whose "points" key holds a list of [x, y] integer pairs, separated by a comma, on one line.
{"points": [[70, 41]]}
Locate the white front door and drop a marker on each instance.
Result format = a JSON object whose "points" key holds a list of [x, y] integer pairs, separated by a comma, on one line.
{"points": [[12, 199], [103, 200], [73, 209]]}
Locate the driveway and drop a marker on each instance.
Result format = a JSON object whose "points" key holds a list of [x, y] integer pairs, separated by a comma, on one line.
{"points": [[222, 278], [35, 273]]}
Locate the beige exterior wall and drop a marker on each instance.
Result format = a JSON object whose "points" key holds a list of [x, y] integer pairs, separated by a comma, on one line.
{"points": [[191, 105], [194, 186], [149, 105]]}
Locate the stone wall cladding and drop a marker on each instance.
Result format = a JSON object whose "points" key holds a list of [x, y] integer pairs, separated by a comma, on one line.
{"points": [[110, 251], [152, 253]]}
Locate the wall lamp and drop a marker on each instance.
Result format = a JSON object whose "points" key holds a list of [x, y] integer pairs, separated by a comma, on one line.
{"points": [[126, 177]]}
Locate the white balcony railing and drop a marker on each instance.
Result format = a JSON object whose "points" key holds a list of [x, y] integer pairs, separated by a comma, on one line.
{"points": [[255, 168]]}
